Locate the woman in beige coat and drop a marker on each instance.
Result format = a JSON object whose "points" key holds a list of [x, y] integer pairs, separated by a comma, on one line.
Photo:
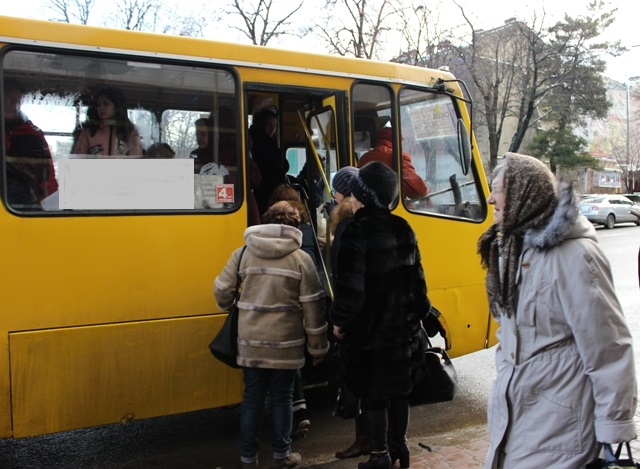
{"points": [[281, 302], [565, 370]]}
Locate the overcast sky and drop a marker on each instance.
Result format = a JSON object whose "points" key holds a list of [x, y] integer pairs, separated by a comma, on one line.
{"points": [[485, 14]]}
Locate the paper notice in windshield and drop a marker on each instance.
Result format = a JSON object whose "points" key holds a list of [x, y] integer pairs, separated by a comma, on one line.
{"points": [[433, 121]]}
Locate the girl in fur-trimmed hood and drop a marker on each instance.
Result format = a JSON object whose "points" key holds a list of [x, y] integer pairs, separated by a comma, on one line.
{"points": [[565, 370]]}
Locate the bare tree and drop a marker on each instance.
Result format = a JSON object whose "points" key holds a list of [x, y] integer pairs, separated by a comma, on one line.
{"points": [[189, 26], [260, 21], [179, 131], [181, 22], [542, 73], [136, 15], [356, 27], [624, 144], [494, 60], [424, 42], [71, 11]]}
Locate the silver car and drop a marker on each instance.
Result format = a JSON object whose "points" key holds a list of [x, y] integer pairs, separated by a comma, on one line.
{"points": [[608, 209]]}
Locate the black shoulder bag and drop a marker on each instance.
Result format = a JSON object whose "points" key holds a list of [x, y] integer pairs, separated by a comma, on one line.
{"points": [[438, 381], [224, 345]]}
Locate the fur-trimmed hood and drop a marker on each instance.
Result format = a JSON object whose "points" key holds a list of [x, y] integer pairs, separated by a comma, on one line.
{"points": [[566, 222], [540, 213]]}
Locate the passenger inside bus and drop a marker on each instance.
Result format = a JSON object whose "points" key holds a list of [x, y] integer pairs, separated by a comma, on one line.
{"points": [[107, 130], [266, 154], [160, 151], [311, 183], [204, 138], [30, 171], [413, 186]]}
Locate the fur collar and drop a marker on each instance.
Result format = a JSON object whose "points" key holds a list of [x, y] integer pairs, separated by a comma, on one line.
{"points": [[560, 223], [340, 212]]}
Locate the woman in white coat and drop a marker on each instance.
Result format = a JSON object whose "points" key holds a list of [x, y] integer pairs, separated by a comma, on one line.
{"points": [[565, 370]]}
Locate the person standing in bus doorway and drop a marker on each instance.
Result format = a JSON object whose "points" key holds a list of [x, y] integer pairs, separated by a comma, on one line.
{"points": [[380, 301], [266, 154], [565, 364], [108, 130], [30, 170], [281, 301], [413, 186]]}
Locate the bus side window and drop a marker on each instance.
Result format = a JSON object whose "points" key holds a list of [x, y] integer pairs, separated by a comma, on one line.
{"points": [[107, 130], [429, 135], [361, 142], [94, 108], [375, 112], [30, 170]]}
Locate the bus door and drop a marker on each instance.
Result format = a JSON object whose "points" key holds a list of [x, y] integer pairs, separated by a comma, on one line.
{"points": [[325, 153], [440, 193]]}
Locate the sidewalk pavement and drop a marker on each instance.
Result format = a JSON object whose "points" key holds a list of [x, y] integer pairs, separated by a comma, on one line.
{"points": [[463, 448]]}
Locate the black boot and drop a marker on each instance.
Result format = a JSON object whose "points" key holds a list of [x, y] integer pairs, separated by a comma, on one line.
{"points": [[376, 424], [376, 461], [397, 438], [360, 446]]}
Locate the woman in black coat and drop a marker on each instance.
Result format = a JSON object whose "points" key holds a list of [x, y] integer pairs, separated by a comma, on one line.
{"points": [[380, 300]]}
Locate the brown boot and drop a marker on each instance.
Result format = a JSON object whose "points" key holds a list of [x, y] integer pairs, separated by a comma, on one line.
{"points": [[287, 463], [360, 446]]}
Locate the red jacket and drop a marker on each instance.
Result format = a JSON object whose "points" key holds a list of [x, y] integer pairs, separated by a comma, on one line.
{"points": [[29, 164], [413, 186]]}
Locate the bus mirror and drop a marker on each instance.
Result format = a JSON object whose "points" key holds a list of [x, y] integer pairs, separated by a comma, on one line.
{"points": [[464, 147]]}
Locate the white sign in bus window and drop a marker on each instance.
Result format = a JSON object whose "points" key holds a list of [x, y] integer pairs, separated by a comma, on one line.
{"points": [[206, 190], [432, 121], [126, 184]]}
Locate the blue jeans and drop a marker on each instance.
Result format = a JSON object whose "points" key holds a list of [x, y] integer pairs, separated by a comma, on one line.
{"points": [[280, 385]]}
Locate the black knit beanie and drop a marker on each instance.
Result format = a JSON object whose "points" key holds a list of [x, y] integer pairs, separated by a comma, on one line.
{"points": [[375, 185], [342, 180]]}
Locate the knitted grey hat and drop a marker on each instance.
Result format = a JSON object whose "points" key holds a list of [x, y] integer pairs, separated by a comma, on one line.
{"points": [[342, 180]]}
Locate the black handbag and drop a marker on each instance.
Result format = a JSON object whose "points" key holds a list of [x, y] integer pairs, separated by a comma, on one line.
{"points": [[609, 459], [347, 405], [224, 345], [437, 380]]}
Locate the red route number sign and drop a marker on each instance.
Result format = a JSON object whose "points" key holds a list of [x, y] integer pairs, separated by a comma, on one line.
{"points": [[225, 194]]}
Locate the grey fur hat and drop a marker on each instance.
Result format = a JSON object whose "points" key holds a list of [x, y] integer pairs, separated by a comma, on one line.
{"points": [[375, 185]]}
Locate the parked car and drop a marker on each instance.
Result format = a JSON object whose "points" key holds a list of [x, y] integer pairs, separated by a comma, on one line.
{"points": [[608, 209], [635, 198]]}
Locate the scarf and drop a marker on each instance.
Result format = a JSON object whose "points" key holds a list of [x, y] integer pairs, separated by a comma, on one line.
{"points": [[530, 195]]}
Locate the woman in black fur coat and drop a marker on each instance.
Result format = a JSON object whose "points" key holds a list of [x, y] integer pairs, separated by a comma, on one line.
{"points": [[380, 299]]}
